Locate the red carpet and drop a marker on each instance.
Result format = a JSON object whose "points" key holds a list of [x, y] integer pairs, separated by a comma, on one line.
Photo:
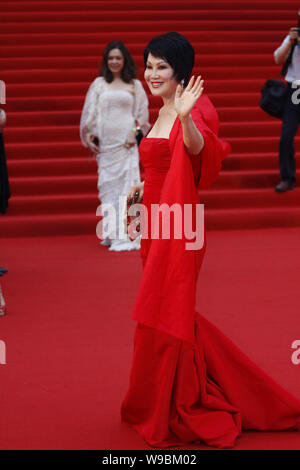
{"points": [[68, 329], [68, 332], [50, 53]]}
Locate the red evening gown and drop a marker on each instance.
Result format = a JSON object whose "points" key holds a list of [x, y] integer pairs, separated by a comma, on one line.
{"points": [[190, 386]]}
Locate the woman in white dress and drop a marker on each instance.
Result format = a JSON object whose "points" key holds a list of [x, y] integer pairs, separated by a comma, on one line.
{"points": [[115, 110]]}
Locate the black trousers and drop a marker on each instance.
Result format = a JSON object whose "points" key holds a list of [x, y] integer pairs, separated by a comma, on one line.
{"points": [[290, 124], [4, 183]]}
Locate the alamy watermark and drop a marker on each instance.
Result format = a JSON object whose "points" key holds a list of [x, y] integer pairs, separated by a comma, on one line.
{"points": [[296, 354], [296, 93], [174, 221], [2, 92], [2, 352]]}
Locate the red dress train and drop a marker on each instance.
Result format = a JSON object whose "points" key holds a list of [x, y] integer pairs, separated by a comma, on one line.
{"points": [[188, 381]]}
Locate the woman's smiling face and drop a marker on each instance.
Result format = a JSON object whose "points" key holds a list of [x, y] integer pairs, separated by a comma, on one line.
{"points": [[115, 61], [159, 77]]}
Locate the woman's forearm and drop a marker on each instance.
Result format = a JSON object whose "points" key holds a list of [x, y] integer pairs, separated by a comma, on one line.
{"points": [[192, 137]]}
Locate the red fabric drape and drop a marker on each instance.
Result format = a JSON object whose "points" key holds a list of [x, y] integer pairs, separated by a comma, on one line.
{"points": [[166, 296]]}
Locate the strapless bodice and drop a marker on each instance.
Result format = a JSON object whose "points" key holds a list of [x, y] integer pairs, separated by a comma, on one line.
{"points": [[155, 153], [155, 156]]}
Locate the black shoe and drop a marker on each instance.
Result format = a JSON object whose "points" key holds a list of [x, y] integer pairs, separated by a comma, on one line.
{"points": [[284, 186]]}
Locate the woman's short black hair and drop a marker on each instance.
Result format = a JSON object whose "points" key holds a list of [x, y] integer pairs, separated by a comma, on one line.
{"points": [[176, 50], [129, 70]]}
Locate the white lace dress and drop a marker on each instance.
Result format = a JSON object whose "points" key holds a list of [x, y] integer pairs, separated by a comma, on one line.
{"points": [[110, 115]]}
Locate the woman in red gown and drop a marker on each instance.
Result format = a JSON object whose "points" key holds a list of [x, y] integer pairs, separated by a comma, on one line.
{"points": [[188, 381]]}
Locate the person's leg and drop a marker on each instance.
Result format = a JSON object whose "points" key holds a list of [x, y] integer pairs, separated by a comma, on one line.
{"points": [[123, 185], [113, 192], [2, 303], [122, 241], [290, 124], [104, 198]]}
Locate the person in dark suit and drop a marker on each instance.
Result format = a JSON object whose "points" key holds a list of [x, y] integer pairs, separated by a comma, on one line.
{"points": [[4, 193], [291, 113], [4, 183]]}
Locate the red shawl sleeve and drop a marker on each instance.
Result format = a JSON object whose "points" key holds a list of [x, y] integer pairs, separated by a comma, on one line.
{"points": [[207, 164], [166, 295]]}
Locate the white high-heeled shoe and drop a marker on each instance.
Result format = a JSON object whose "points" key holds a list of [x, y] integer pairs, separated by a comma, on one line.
{"points": [[106, 242], [125, 245]]}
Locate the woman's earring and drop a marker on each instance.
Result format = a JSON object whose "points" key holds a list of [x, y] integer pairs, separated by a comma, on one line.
{"points": [[182, 83]]}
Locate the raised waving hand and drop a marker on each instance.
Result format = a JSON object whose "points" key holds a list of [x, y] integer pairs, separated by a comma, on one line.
{"points": [[185, 98]]}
